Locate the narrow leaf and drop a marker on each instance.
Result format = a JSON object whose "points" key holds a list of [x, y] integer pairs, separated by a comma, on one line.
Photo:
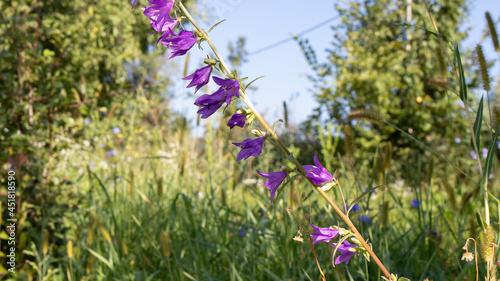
{"points": [[361, 196], [489, 161], [215, 25], [477, 124], [253, 81], [460, 67]]}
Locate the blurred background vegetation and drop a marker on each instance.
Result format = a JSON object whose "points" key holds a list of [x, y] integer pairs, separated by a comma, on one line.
{"points": [[114, 184]]}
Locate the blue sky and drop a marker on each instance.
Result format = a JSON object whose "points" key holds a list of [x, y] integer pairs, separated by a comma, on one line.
{"points": [[266, 22]]}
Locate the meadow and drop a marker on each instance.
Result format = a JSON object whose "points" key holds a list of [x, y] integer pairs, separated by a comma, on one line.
{"points": [[117, 185]]}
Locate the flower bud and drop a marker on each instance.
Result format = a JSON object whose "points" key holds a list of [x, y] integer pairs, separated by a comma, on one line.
{"points": [[210, 61], [258, 132]]}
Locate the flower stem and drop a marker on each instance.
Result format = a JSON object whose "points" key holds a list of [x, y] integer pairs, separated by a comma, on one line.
{"points": [[264, 123]]}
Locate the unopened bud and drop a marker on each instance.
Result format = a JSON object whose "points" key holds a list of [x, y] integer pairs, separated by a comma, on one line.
{"points": [[356, 241], [329, 185], [210, 61], [258, 132]]}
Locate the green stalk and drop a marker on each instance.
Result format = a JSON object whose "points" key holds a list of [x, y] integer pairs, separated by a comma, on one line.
{"points": [[263, 122]]}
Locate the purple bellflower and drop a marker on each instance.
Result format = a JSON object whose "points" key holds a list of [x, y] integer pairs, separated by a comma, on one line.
{"points": [[237, 120], [250, 147], [231, 88], [199, 78], [167, 30], [323, 234], [209, 104], [345, 252], [180, 43], [274, 180], [317, 173], [133, 3], [159, 13]]}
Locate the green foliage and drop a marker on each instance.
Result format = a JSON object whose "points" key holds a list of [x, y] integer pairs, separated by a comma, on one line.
{"points": [[63, 63], [383, 63]]}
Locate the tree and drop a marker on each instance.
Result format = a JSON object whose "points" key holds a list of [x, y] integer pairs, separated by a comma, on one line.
{"points": [[385, 63], [62, 62]]}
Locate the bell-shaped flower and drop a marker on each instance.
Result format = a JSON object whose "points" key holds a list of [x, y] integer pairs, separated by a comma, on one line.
{"points": [[209, 104], [323, 234], [317, 173], [231, 88], [250, 147], [167, 30], [347, 251], [180, 43], [200, 78], [159, 13], [237, 120], [274, 180]]}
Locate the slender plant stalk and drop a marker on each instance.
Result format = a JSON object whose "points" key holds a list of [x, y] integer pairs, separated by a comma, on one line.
{"points": [[263, 122], [486, 204]]}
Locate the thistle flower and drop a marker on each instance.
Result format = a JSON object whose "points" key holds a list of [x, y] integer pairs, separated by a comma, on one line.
{"points": [[180, 43], [199, 78], [230, 87], [250, 147], [159, 13], [209, 104], [317, 173], [274, 180], [347, 251], [237, 120], [323, 234]]}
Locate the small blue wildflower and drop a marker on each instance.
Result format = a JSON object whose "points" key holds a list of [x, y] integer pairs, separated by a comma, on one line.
{"points": [[101, 145], [368, 188], [415, 203], [490, 176], [111, 153], [364, 219], [116, 130], [458, 140], [87, 121], [484, 152], [473, 155], [355, 207], [92, 164], [242, 232]]}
